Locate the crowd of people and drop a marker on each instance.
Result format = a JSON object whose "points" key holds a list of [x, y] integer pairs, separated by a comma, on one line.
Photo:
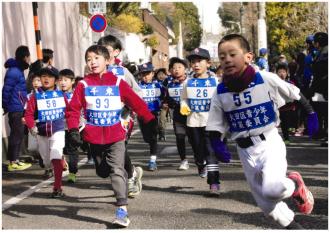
{"points": [[242, 100]]}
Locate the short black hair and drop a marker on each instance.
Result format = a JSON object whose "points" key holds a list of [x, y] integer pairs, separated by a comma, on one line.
{"points": [[321, 38], [67, 73], [99, 50], [22, 52], [282, 66], [110, 40], [47, 54], [174, 60], [241, 39], [160, 70]]}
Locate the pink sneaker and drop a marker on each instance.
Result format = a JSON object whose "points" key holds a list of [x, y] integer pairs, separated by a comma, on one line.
{"points": [[302, 197]]}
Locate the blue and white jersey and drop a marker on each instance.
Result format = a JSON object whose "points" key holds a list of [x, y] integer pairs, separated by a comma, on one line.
{"points": [[118, 71], [103, 105], [151, 95], [51, 105], [174, 90], [200, 92], [252, 111], [249, 109]]}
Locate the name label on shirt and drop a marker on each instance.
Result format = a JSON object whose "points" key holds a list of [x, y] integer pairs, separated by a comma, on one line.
{"points": [[51, 105], [199, 93], [103, 105]]}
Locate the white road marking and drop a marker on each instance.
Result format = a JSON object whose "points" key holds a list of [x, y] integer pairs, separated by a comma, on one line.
{"points": [[14, 200]]}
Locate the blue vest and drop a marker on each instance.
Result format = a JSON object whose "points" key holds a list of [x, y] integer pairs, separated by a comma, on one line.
{"points": [[51, 105], [103, 105], [175, 90], [249, 109], [151, 95], [117, 71], [200, 92]]}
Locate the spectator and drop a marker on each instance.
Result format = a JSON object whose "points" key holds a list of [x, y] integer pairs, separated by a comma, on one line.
{"points": [[14, 96], [262, 62], [319, 85]]}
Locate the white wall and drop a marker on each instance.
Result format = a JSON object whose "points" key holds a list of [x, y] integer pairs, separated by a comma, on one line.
{"points": [[62, 30]]}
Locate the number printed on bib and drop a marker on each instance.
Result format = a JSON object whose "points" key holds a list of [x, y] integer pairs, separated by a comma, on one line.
{"points": [[103, 105], [51, 105]]}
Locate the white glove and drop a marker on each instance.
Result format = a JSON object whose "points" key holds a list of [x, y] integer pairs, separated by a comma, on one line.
{"points": [[34, 131]]}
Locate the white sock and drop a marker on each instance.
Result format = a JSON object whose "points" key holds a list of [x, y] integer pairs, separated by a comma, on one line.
{"points": [[153, 158]]}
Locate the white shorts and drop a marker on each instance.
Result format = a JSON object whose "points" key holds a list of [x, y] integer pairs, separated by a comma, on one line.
{"points": [[51, 147]]}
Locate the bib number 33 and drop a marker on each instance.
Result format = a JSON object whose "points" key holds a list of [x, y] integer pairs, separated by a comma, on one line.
{"points": [[246, 98]]}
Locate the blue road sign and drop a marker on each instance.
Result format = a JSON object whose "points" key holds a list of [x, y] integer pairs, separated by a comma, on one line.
{"points": [[98, 23]]}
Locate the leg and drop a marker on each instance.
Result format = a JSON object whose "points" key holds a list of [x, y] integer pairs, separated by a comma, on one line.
{"points": [[56, 145], [16, 135], [115, 158], [265, 170]]}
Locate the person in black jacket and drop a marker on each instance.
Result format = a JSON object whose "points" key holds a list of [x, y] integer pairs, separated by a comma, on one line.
{"points": [[319, 85]]}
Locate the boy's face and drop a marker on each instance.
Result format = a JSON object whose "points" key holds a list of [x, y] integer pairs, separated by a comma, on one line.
{"points": [[199, 65], [36, 82], [178, 71], [147, 76], [113, 54], [97, 64], [65, 83], [48, 82], [232, 57], [282, 73]]}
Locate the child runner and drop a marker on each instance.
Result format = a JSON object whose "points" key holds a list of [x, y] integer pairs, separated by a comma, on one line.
{"points": [[114, 47], [153, 93], [288, 111], [66, 82], [195, 103], [177, 67], [44, 118], [100, 95], [246, 106]]}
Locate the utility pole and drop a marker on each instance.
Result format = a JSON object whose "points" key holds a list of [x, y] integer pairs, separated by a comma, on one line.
{"points": [[262, 29], [241, 13], [37, 31], [180, 42]]}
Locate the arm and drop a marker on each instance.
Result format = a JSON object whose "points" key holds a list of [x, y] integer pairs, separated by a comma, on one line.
{"points": [[134, 102], [9, 83], [184, 107], [132, 83], [73, 110], [30, 112]]}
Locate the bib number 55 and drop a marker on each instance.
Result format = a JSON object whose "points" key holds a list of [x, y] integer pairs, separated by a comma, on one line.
{"points": [[246, 98]]}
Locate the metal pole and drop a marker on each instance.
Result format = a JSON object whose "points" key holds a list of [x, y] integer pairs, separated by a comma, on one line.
{"points": [[37, 31], [262, 29]]}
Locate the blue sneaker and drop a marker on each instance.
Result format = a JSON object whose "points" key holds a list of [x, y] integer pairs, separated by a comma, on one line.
{"points": [[121, 218], [152, 166]]}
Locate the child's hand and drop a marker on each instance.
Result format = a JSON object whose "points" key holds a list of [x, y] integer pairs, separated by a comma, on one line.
{"points": [[221, 150], [185, 110], [74, 138], [312, 124], [34, 131]]}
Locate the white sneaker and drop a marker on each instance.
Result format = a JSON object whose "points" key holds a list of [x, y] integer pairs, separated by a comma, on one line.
{"points": [[184, 165]]}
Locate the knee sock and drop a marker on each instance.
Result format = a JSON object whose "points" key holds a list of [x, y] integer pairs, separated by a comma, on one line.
{"points": [[58, 170]]}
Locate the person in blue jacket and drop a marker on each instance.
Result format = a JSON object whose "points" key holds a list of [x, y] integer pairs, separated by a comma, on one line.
{"points": [[14, 96]]}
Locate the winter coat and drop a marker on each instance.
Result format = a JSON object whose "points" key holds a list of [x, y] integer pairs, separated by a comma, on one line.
{"points": [[14, 93]]}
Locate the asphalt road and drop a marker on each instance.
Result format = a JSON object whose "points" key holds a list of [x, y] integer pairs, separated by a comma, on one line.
{"points": [[170, 199]]}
